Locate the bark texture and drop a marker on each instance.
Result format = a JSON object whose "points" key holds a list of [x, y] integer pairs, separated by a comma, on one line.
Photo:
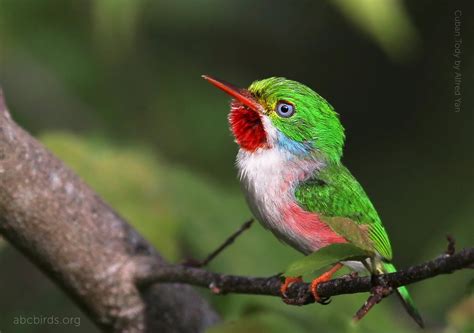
{"points": [[299, 293], [50, 215]]}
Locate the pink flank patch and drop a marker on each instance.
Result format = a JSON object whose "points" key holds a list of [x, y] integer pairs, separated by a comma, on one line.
{"points": [[309, 226]]}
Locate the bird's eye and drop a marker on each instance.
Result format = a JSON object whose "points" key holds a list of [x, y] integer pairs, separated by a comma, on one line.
{"points": [[285, 109]]}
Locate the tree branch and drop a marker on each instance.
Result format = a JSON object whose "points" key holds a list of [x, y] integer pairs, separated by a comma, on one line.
{"points": [[148, 273], [76, 239], [112, 273]]}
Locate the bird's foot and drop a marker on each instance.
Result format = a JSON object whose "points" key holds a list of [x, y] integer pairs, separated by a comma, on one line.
{"points": [[286, 284], [320, 279]]}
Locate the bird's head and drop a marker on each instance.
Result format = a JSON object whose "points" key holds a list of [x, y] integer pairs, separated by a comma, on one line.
{"points": [[285, 114]]}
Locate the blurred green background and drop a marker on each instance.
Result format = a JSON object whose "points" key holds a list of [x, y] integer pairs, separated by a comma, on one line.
{"points": [[113, 87]]}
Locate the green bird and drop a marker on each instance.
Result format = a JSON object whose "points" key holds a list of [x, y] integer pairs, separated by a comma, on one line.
{"points": [[290, 168]]}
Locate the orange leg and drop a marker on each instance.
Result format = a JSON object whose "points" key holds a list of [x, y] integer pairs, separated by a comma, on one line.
{"points": [[288, 282], [323, 278]]}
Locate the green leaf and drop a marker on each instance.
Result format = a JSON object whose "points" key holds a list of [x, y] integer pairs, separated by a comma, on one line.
{"points": [[325, 256]]}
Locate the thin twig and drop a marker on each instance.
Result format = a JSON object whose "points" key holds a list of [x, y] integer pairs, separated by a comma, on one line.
{"points": [[215, 253], [149, 272], [379, 292], [376, 295], [451, 245]]}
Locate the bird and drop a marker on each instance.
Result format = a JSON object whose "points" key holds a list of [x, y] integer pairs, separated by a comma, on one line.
{"points": [[289, 164]]}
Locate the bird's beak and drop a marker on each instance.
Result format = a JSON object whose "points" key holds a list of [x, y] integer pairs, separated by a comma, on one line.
{"points": [[242, 95]]}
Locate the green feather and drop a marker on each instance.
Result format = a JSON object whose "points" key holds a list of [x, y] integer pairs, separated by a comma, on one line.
{"points": [[336, 196], [405, 297], [314, 122], [328, 255], [333, 193]]}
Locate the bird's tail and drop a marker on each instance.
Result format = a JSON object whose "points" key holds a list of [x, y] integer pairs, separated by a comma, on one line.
{"points": [[405, 297]]}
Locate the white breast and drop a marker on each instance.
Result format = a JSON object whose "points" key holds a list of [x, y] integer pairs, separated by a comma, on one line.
{"points": [[269, 178]]}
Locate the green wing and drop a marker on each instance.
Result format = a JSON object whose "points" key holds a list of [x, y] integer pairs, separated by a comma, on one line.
{"points": [[342, 203]]}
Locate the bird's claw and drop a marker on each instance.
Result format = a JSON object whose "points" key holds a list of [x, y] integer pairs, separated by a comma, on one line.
{"points": [[323, 300], [323, 278], [285, 285]]}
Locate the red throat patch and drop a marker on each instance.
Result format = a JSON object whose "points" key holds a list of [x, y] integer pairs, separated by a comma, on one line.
{"points": [[247, 127]]}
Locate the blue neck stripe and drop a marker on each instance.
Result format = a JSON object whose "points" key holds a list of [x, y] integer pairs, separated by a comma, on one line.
{"points": [[294, 147]]}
